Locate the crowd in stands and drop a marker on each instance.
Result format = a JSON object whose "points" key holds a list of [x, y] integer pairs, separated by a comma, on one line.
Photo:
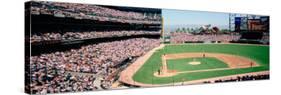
{"points": [[85, 35], [181, 37], [54, 72], [242, 78], [93, 12]]}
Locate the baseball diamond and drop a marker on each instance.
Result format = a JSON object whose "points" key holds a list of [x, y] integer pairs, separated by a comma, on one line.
{"points": [[224, 62]]}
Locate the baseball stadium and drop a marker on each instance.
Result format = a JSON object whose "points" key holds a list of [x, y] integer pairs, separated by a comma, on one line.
{"points": [[207, 56], [72, 47]]}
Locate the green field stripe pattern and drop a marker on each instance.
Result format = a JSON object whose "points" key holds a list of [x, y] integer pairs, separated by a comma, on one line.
{"points": [[258, 53], [206, 63]]}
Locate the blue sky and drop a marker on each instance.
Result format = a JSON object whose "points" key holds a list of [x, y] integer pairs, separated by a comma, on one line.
{"points": [[185, 17]]}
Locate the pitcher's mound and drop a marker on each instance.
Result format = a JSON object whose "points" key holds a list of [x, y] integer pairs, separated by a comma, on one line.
{"points": [[194, 63]]}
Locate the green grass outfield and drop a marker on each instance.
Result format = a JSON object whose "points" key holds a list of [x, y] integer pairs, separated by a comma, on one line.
{"points": [[206, 63], [255, 52]]}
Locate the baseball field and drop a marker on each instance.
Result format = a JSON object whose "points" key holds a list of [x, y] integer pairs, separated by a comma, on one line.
{"points": [[190, 62]]}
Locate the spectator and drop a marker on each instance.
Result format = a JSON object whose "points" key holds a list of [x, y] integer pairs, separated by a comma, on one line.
{"points": [[78, 69]]}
